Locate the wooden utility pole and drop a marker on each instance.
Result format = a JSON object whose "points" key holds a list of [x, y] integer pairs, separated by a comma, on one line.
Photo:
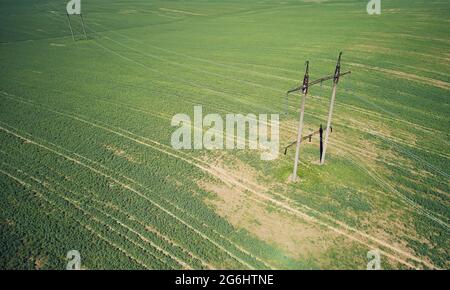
{"points": [[300, 124], [330, 113]]}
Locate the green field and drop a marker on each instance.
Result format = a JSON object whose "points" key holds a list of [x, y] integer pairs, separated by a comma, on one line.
{"points": [[85, 127]]}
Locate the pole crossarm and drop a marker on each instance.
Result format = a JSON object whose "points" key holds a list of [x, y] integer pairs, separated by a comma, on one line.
{"points": [[303, 139], [318, 81]]}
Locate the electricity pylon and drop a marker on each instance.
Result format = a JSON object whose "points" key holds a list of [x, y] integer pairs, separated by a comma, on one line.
{"points": [[304, 89], [82, 24]]}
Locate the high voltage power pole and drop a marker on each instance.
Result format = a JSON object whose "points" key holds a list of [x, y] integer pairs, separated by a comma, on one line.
{"points": [[82, 25], [304, 90]]}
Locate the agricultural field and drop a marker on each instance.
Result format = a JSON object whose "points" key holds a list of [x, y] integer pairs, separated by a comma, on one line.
{"points": [[86, 161]]}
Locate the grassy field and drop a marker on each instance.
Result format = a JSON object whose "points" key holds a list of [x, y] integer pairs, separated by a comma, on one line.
{"points": [[86, 161]]}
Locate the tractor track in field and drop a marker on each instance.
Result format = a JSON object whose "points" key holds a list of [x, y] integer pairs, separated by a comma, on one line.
{"points": [[391, 139], [350, 150], [198, 160], [203, 71], [125, 213], [182, 210], [286, 206], [419, 127], [230, 177], [146, 188], [75, 204], [291, 129], [197, 59], [165, 116], [162, 237], [110, 171], [277, 90], [409, 202], [411, 77], [134, 62], [217, 64], [125, 186], [87, 227], [347, 106], [43, 183], [380, 116], [391, 188], [180, 262]]}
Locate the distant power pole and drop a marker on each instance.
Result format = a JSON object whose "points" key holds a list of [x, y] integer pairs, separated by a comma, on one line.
{"points": [[74, 8], [330, 113], [70, 26], [82, 24], [300, 124]]}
